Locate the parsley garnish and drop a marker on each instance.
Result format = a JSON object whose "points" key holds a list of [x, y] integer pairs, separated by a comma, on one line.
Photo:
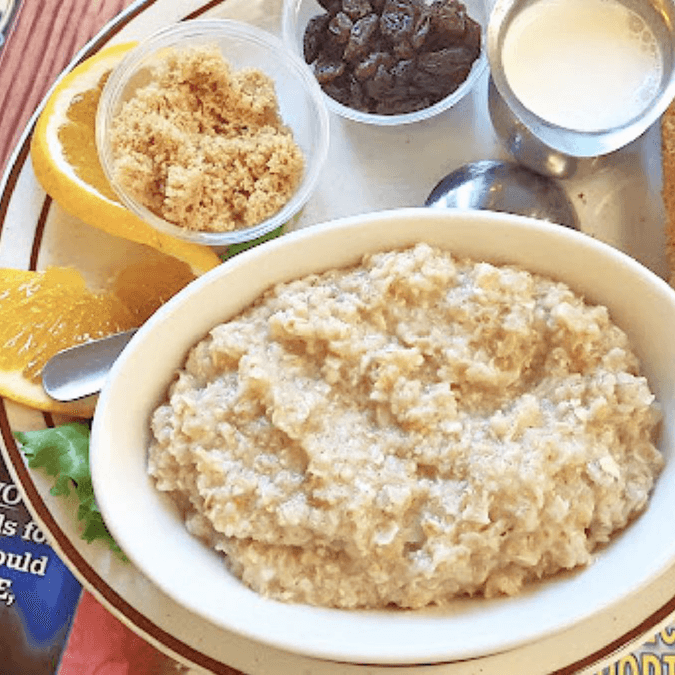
{"points": [[63, 452]]}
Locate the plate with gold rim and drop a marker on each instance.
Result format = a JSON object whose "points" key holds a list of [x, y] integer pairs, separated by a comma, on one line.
{"points": [[368, 169]]}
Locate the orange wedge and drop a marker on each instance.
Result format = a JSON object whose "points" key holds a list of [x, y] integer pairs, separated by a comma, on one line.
{"points": [[44, 312], [66, 164], [145, 285]]}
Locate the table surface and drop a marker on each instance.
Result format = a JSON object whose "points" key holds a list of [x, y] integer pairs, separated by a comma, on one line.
{"points": [[40, 40]]}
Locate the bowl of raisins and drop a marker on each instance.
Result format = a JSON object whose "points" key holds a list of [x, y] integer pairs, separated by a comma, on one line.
{"points": [[390, 62]]}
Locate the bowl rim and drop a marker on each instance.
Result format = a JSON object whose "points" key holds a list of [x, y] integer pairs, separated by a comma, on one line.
{"points": [[380, 636], [192, 31], [479, 66]]}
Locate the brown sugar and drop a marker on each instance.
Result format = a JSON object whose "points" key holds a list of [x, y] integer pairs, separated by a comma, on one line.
{"points": [[204, 146]]}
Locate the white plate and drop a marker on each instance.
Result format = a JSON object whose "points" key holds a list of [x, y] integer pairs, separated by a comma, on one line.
{"points": [[367, 170]]}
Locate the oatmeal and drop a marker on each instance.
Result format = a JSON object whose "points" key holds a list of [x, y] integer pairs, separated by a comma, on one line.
{"points": [[408, 430], [204, 147]]}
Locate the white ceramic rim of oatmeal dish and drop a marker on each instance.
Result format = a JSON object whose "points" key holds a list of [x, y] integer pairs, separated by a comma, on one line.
{"points": [[292, 31], [204, 31], [149, 530]]}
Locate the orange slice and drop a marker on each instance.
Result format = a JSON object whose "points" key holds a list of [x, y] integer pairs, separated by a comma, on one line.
{"points": [[145, 285], [66, 164], [44, 312]]}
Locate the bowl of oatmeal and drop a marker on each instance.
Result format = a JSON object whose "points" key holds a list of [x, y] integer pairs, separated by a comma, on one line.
{"points": [[403, 437], [389, 62], [212, 132]]}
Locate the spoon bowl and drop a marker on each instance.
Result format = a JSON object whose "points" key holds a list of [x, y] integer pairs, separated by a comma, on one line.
{"points": [[507, 187]]}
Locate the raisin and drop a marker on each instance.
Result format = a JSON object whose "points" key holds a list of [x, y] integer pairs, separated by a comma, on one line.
{"points": [[360, 37], [379, 86], [444, 61], [448, 24], [327, 69], [368, 67], [356, 9], [313, 37], [402, 73], [403, 50], [457, 75], [341, 27], [424, 83], [421, 30], [398, 19], [400, 87], [357, 97], [331, 6]]}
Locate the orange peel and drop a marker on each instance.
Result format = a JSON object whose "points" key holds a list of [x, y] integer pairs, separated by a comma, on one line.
{"points": [[66, 164]]}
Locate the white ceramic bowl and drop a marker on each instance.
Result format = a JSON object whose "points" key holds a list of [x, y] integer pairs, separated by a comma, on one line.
{"points": [[150, 531], [296, 14], [301, 106]]}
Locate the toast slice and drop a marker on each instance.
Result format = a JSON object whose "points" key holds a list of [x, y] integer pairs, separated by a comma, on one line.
{"points": [[668, 164]]}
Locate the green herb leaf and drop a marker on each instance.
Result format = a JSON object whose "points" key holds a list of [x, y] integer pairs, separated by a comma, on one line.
{"points": [[234, 249], [63, 452]]}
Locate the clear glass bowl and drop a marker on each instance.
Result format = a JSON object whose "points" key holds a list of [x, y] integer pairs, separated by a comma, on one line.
{"points": [[296, 15], [301, 105]]}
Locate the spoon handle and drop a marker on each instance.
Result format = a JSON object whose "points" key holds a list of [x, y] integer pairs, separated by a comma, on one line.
{"points": [[82, 370]]}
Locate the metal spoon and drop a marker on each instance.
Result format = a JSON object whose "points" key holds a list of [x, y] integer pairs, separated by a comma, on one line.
{"points": [[81, 370], [507, 187]]}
